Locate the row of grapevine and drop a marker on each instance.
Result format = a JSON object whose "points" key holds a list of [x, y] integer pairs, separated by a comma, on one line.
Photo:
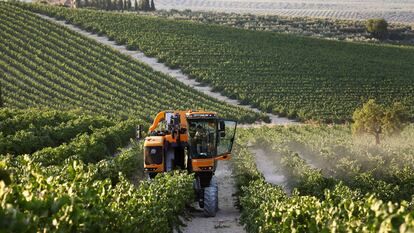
{"points": [[90, 148], [82, 182], [74, 201], [34, 138], [48, 65], [294, 76], [328, 28], [14, 120], [386, 170], [317, 204]]}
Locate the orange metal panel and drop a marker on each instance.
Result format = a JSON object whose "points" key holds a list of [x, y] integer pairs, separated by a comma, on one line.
{"points": [[170, 139], [158, 167], [154, 141], [197, 163]]}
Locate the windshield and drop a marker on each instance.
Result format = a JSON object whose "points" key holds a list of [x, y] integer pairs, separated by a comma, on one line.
{"points": [[202, 138]]}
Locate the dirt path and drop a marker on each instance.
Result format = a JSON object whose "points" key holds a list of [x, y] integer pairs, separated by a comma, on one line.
{"points": [[227, 217], [161, 67], [269, 165]]}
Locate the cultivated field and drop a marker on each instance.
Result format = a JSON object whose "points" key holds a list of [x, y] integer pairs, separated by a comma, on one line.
{"points": [[73, 164], [394, 11], [58, 174], [284, 74], [320, 178], [44, 64]]}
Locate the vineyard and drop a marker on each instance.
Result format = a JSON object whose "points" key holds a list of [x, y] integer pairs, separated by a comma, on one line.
{"points": [[58, 174], [328, 28], [292, 76], [43, 64], [340, 183], [70, 160], [396, 11]]}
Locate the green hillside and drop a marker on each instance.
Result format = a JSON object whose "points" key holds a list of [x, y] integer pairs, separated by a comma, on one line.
{"points": [[43, 64], [286, 74]]}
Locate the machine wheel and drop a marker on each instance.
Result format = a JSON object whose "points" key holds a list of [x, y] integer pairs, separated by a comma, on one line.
{"points": [[213, 183], [151, 175], [210, 201]]}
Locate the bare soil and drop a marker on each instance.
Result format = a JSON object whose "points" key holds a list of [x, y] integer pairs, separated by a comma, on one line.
{"points": [[227, 218]]}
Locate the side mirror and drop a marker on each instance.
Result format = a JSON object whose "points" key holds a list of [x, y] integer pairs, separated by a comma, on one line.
{"points": [[139, 132]]}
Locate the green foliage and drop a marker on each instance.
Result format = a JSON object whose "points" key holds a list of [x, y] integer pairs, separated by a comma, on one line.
{"points": [[90, 148], [395, 119], [85, 184], [377, 27], [315, 158], [33, 138], [320, 208], [310, 181], [13, 120], [328, 28], [77, 72], [266, 208], [368, 119], [128, 161], [374, 119], [4, 174], [1, 89], [295, 76], [73, 201]]}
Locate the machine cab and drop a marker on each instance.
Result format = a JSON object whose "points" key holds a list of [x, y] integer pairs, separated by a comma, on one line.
{"points": [[210, 137]]}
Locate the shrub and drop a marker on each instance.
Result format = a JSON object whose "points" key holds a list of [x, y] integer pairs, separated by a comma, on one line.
{"points": [[378, 28]]}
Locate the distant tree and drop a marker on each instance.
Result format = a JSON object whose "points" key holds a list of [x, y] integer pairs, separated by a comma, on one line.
{"points": [[136, 5], [120, 5], [145, 5], [129, 5], [152, 7], [376, 120], [377, 27], [109, 5]]}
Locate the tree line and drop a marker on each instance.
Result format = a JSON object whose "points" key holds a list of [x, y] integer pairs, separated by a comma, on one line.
{"points": [[116, 5]]}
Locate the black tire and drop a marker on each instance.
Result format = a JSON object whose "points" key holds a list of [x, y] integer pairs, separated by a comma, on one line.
{"points": [[210, 201], [213, 183], [151, 175]]}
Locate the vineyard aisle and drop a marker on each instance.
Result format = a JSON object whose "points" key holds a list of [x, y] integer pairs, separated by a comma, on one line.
{"points": [[176, 73], [227, 218], [269, 165]]}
